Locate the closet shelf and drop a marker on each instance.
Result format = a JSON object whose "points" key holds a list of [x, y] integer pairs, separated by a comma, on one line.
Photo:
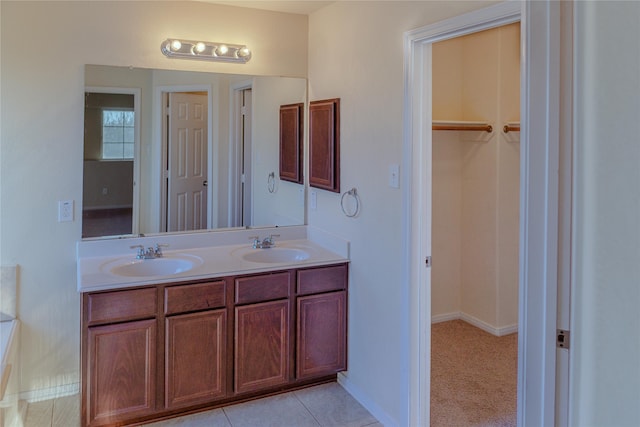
{"points": [[461, 125], [511, 127]]}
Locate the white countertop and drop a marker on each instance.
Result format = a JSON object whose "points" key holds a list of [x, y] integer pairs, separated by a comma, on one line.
{"points": [[217, 260]]}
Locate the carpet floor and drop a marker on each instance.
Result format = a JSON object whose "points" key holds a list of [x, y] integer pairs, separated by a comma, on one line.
{"points": [[473, 376]]}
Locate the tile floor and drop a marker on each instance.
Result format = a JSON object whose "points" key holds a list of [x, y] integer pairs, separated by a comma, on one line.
{"points": [[323, 405]]}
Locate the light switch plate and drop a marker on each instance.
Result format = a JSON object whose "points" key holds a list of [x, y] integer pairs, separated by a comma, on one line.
{"points": [[65, 210]]}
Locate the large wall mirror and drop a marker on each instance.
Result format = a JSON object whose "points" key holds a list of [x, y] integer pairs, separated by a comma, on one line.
{"points": [[176, 151]]}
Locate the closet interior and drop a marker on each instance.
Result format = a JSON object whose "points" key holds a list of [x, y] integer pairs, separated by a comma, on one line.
{"points": [[475, 191]]}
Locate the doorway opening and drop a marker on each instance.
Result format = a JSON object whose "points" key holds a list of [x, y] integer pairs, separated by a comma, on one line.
{"points": [[240, 169], [544, 52], [475, 182], [111, 156]]}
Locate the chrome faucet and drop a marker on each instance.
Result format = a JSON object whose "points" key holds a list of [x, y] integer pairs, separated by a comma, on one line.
{"points": [[265, 243], [150, 252]]}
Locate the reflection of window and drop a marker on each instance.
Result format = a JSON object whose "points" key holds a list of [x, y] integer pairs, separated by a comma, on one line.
{"points": [[117, 134]]}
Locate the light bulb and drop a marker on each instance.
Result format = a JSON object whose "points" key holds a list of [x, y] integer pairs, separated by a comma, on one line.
{"points": [[176, 45], [200, 47], [244, 52], [222, 49]]}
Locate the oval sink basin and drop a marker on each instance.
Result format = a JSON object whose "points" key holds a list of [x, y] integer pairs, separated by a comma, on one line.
{"points": [[165, 266], [274, 255]]}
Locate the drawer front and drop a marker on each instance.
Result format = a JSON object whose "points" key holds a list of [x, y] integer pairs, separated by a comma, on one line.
{"points": [[322, 279], [265, 287], [118, 306], [199, 296]]}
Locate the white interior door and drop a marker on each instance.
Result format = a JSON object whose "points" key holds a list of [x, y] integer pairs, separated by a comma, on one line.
{"points": [[187, 162]]}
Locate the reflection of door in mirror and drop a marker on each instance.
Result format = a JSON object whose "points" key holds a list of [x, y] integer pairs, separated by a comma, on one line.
{"points": [[110, 135], [187, 174], [244, 145]]}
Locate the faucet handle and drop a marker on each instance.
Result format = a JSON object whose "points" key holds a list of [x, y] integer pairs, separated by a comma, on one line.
{"points": [[271, 236], [256, 241], [158, 249], [140, 249]]}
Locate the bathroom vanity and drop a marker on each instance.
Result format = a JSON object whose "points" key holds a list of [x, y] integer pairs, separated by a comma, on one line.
{"points": [[212, 335]]}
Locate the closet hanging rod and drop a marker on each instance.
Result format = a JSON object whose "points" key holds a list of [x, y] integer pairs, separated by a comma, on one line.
{"points": [[511, 127], [467, 126]]}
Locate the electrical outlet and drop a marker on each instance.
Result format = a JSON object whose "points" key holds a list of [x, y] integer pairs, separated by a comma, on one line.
{"points": [[65, 210], [394, 176]]}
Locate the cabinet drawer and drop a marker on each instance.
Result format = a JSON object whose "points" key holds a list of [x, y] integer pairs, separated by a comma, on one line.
{"points": [[262, 288], [200, 296], [322, 279], [118, 306]]}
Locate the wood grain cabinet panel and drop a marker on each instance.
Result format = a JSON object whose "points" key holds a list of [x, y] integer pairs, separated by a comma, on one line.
{"points": [[199, 296], [322, 279], [118, 306], [195, 358], [263, 287], [324, 144], [321, 335], [122, 374], [262, 346], [291, 125]]}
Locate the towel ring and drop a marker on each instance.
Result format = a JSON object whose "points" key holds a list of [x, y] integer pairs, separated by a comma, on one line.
{"points": [[271, 183], [353, 193]]}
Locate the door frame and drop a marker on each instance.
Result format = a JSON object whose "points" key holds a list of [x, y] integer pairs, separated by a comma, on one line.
{"points": [[235, 213], [539, 183], [160, 157]]}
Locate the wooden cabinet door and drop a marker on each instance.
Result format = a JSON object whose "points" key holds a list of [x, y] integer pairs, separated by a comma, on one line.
{"points": [[261, 346], [195, 354], [291, 142], [324, 144], [122, 371], [321, 335]]}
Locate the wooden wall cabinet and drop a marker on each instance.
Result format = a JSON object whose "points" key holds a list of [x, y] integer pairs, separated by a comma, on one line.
{"points": [[324, 144], [163, 350], [291, 137]]}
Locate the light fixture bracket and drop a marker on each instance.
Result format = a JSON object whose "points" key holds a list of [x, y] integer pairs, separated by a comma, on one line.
{"points": [[206, 51]]}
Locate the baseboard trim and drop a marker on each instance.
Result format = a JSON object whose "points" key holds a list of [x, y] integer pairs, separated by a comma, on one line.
{"points": [[498, 332], [50, 393], [459, 315], [445, 317], [366, 401]]}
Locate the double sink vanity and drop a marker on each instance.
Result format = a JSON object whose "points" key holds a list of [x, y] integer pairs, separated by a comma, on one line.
{"points": [[179, 323]]}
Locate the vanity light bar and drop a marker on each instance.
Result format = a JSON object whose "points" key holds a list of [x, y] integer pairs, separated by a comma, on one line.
{"points": [[208, 51]]}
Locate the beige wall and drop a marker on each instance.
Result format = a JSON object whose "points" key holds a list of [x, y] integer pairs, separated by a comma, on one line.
{"points": [[45, 46], [356, 54], [476, 179]]}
